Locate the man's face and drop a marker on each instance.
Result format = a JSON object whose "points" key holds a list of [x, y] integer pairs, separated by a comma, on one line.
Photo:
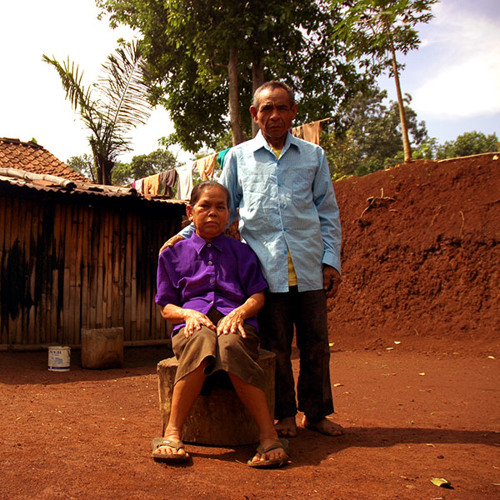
{"points": [[274, 115]]}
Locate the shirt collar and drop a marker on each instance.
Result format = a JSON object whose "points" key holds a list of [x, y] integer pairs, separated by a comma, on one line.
{"points": [[199, 243], [260, 142]]}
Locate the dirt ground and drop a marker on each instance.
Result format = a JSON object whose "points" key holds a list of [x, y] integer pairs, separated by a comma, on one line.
{"points": [[414, 368]]}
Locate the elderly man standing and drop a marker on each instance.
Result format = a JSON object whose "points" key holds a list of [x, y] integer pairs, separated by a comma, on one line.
{"points": [[288, 214]]}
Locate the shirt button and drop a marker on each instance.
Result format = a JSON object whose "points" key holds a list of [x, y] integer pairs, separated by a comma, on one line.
{"points": [[212, 280], [210, 262], [209, 245]]}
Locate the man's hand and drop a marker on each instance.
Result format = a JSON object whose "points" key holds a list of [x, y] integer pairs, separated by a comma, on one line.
{"points": [[171, 242], [331, 281]]}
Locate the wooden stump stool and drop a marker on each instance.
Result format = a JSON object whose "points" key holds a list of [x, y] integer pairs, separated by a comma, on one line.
{"points": [[220, 418], [102, 348]]}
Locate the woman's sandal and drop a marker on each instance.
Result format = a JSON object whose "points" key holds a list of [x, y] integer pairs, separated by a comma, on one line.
{"points": [[271, 464], [169, 457]]}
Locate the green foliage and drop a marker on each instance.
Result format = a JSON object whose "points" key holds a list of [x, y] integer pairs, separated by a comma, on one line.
{"points": [[223, 142], [111, 107], [187, 44], [374, 31], [143, 166], [85, 165], [371, 28], [425, 150], [469, 143], [371, 137]]}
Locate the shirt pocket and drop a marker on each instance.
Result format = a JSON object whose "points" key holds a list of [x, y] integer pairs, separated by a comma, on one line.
{"points": [[302, 182], [259, 194]]}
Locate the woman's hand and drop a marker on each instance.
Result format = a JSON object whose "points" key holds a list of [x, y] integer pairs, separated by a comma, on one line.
{"points": [[232, 323], [194, 321]]}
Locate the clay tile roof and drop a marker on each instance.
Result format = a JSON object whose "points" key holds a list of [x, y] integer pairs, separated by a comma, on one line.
{"points": [[31, 157]]}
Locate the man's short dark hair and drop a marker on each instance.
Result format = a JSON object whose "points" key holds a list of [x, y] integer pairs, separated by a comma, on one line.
{"points": [[273, 84]]}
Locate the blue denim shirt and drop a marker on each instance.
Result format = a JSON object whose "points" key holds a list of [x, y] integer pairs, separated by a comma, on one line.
{"points": [[285, 204]]}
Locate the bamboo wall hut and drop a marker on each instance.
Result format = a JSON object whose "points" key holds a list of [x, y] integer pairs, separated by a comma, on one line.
{"points": [[76, 256]]}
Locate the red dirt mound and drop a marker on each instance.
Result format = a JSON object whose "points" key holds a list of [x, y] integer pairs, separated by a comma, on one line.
{"points": [[420, 255]]}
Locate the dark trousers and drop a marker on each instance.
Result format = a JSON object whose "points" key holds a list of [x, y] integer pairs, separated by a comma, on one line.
{"points": [[307, 312]]}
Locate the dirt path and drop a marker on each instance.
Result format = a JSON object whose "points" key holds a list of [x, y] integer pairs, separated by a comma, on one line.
{"points": [[415, 368], [409, 417]]}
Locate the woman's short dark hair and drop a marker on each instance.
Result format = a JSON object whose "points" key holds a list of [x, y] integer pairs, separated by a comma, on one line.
{"points": [[199, 188]]}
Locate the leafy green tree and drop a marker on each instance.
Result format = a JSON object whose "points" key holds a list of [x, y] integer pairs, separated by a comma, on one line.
{"points": [[85, 165], [207, 56], [469, 143], [111, 107], [143, 166], [371, 139], [425, 150], [374, 30]]}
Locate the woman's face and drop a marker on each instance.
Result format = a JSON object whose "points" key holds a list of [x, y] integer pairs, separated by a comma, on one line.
{"points": [[210, 214]]}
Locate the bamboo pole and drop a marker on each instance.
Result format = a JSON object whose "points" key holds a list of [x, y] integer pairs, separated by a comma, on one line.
{"points": [[96, 245], [108, 271], [116, 274], [133, 280], [77, 299], [33, 243], [99, 298], [8, 248], [3, 224], [127, 274], [84, 309]]}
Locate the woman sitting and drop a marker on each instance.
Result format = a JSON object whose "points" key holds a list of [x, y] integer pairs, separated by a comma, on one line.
{"points": [[210, 287]]}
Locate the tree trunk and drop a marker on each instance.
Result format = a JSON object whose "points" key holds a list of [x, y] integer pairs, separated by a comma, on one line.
{"points": [[402, 116], [218, 418], [100, 169], [104, 168], [257, 81], [108, 167], [234, 102]]}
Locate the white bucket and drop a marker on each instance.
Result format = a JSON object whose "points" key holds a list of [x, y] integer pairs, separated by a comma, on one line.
{"points": [[59, 358]]}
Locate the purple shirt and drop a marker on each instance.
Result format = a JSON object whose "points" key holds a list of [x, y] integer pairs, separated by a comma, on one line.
{"points": [[199, 275]]}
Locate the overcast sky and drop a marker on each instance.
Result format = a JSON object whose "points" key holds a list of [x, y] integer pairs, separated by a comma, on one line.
{"points": [[454, 78]]}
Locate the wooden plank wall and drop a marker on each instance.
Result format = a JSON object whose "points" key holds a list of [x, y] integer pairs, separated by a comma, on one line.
{"points": [[67, 266]]}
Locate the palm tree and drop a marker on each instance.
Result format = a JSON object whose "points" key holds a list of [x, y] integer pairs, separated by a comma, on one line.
{"points": [[111, 107]]}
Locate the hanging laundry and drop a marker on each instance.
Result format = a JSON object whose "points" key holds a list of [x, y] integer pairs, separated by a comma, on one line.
{"points": [[151, 185], [185, 181], [206, 166], [297, 132], [312, 132], [139, 186], [221, 156], [168, 180]]}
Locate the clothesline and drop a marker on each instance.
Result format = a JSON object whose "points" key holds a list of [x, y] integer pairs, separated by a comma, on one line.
{"points": [[164, 183], [180, 176], [310, 131]]}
